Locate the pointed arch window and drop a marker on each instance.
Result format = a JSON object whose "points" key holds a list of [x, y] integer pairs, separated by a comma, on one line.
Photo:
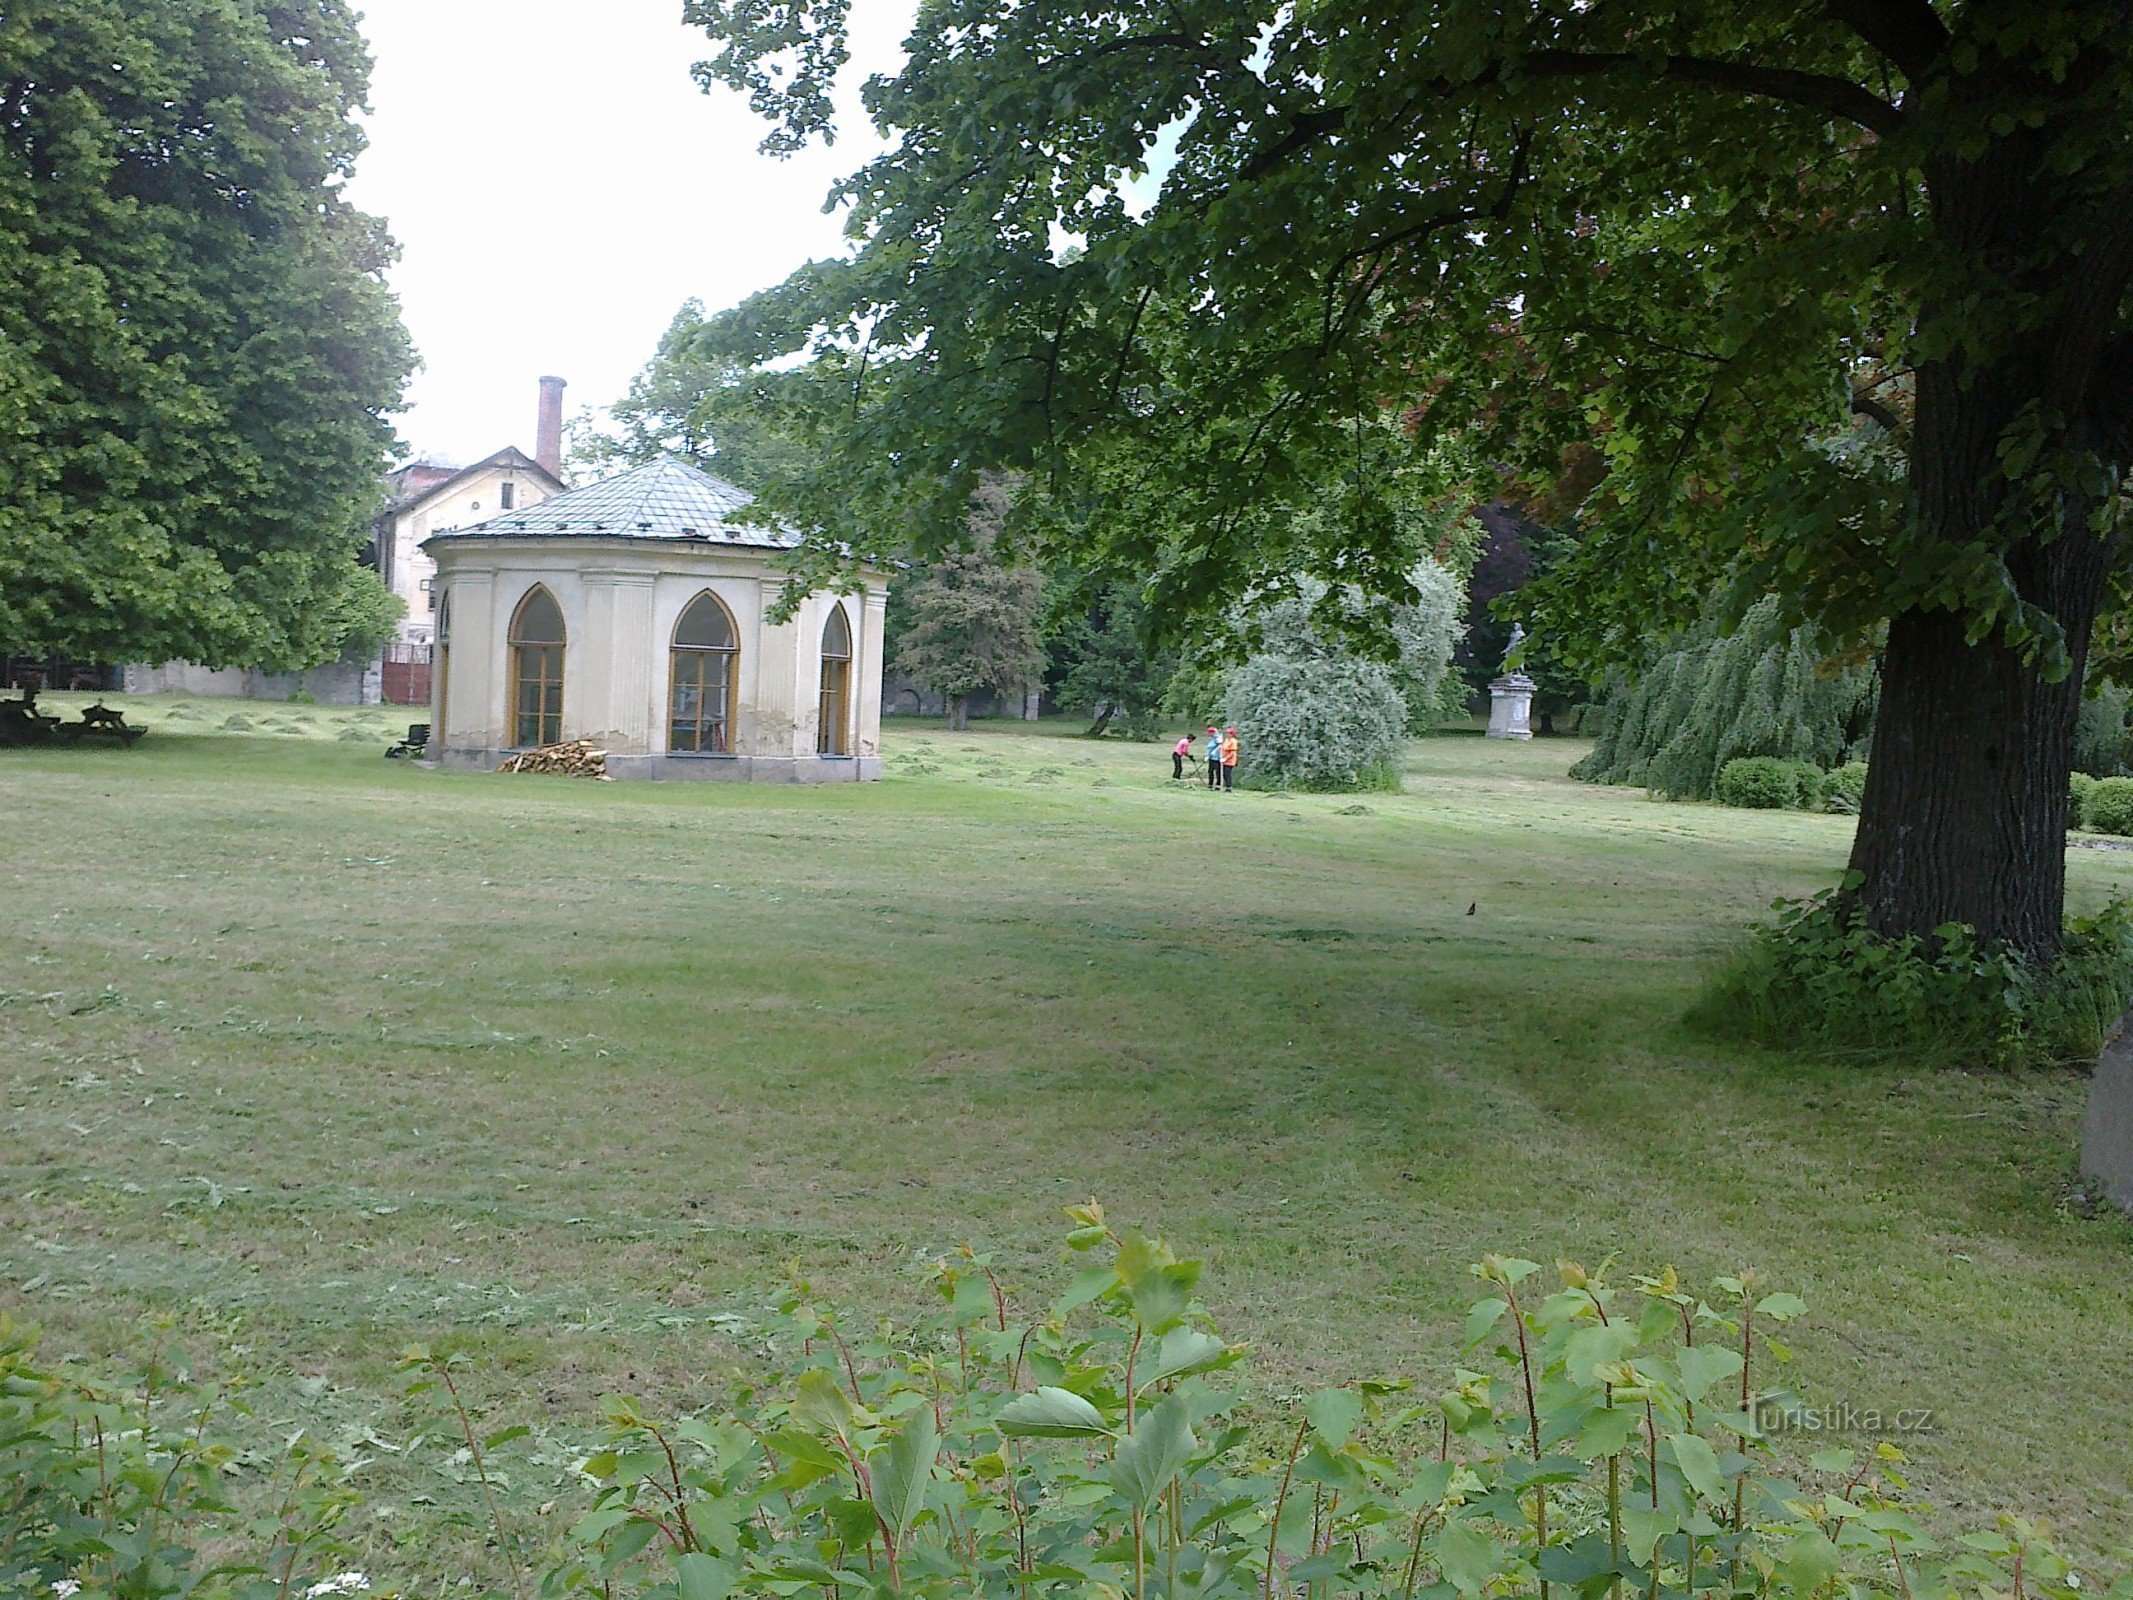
{"points": [[537, 642], [700, 679], [833, 715]]}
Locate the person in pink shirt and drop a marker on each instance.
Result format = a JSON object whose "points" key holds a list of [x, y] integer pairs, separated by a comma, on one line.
{"points": [[1177, 758]]}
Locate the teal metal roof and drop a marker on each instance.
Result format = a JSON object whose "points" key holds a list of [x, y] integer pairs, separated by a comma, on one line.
{"points": [[666, 498]]}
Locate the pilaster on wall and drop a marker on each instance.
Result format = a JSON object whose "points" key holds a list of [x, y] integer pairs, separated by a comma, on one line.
{"points": [[866, 732], [784, 708], [472, 702], [614, 682], [639, 662]]}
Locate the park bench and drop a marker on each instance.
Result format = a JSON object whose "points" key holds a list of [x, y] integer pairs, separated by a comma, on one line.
{"points": [[416, 743], [101, 720]]}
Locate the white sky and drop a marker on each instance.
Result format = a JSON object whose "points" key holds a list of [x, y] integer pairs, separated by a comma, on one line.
{"points": [[559, 185]]}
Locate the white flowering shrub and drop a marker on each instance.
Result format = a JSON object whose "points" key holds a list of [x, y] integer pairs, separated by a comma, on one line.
{"points": [[1323, 722]]}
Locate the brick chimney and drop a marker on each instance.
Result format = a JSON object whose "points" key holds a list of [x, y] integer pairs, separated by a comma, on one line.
{"points": [[548, 433]]}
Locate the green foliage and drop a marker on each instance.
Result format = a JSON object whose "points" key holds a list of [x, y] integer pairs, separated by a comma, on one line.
{"points": [[1845, 788], [1766, 783], [2101, 736], [197, 345], [1317, 722], [2108, 806], [692, 403], [1597, 1436], [1259, 208], [1766, 689], [2079, 786], [1819, 977], [1427, 630], [1107, 667], [1310, 711], [120, 1490], [969, 624], [1759, 783]]}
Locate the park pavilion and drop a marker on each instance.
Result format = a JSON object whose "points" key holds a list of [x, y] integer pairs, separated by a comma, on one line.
{"points": [[636, 613]]}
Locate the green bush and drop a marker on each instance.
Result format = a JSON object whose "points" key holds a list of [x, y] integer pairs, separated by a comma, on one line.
{"points": [[1817, 977], [1809, 783], [1324, 723], [1846, 788], [1760, 783], [2109, 806], [2080, 785]]}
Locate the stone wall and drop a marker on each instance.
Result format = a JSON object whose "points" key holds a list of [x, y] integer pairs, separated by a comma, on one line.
{"points": [[338, 683]]}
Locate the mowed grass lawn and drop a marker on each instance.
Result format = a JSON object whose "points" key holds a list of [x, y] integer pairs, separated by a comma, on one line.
{"points": [[324, 1054]]}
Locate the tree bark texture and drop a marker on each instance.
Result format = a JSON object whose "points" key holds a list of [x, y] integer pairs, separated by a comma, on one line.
{"points": [[1965, 811]]}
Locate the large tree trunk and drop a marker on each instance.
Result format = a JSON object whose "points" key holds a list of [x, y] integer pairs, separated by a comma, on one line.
{"points": [[1965, 811], [958, 712], [1964, 814]]}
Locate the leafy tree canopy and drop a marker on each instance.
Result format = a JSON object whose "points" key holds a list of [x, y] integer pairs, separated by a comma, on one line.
{"points": [[197, 347], [689, 401], [1101, 658], [1822, 302], [1548, 222]]}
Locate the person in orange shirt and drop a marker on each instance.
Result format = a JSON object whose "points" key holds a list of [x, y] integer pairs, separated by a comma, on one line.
{"points": [[1229, 759]]}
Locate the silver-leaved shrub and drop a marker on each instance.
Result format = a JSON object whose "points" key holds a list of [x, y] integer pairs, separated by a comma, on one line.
{"points": [[1326, 723]]}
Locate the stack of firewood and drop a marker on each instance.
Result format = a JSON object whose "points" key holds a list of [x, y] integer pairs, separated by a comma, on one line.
{"points": [[573, 758]]}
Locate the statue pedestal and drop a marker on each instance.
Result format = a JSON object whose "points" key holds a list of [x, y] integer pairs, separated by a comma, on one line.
{"points": [[1511, 707], [2107, 1139]]}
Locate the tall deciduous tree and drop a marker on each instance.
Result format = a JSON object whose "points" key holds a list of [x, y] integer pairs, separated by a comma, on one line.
{"points": [[197, 347], [1839, 291], [1105, 663], [688, 401], [969, 623]]}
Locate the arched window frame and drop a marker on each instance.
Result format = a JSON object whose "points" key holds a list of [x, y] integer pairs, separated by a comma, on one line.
{"points": [[536, 675], [833, 705], [702, 682]]}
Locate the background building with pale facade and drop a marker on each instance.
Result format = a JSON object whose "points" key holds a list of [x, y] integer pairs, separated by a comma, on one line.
{"points": [[636, 612]]}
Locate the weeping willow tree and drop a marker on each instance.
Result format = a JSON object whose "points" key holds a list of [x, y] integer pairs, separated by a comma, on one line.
{"points": [[1762, 690]]}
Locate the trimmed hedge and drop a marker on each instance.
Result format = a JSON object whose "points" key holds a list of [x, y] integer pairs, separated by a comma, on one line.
{"points": [[1846, 788], [2080, 785], [1758, 783], [2109, 807]]}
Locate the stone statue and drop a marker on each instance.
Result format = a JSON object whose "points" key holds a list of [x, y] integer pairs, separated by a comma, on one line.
{"points": [[1510, 652], [1511, 694]]}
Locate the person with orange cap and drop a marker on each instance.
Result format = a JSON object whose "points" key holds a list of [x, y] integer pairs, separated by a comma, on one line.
{"points": [[1214, 756]]}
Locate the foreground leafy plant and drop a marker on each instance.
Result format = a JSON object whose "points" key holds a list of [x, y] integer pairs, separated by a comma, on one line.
{"points": [[115, 1490], [1608, 1441]]}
